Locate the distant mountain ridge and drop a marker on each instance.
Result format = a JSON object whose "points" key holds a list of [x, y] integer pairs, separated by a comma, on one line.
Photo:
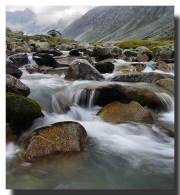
{"points": [[108, 23], [26, 21]]}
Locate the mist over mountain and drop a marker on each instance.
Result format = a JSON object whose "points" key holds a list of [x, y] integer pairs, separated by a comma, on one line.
{"points": [[28, 22], [106, 23]]}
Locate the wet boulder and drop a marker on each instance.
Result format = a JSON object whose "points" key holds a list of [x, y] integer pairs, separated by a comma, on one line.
{"points": [[101, 53], [19, 59], [144, 54], [167, 84], [162, 66], [144, 57], [14, 85], [117, 112], [45, 59], [59, 137], [150, 77], [116, 52], [81, 69], [21, 112], [130, 53], [166, 53], [74, 52], [104, 67], [13, 70], [113, 92]]}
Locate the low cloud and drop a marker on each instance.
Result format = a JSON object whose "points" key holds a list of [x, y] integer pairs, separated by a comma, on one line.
{"points": [[47, 15]]}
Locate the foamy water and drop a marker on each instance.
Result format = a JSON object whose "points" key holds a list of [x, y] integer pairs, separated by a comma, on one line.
{"points": [[117, 156]]}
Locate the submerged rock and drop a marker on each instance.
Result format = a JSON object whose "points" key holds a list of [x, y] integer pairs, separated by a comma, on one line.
{"points": [[21, 112], [135, 67], [117, 112], [55, 138], [167, 84], [58, 71], [150, 77], [16, 86], [81, 69]]}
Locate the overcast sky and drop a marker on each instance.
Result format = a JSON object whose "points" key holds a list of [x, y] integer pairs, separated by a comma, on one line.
{"points": [[49, 14]]}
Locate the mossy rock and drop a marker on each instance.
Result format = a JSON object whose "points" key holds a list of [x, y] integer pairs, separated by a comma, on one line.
{"points": [[21, 112]]}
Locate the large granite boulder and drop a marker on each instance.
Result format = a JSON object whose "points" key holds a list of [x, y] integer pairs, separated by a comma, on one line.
{"points": [[14, 85], [81, 69], [19, 59], [104, 67], [167, 84], [21, 112], [150, 77], [117, 112], [13, 70], [55, 138]]}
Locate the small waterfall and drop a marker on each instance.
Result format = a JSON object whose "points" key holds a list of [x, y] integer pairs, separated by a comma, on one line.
{"points": [[60, 102], [85, 98], [167, 101]]}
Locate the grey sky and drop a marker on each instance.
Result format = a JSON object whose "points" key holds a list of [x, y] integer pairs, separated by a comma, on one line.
{"points": [[49, 14]]}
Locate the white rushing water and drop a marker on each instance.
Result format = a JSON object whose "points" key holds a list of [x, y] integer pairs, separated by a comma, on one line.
{"points": [[117, 156]]}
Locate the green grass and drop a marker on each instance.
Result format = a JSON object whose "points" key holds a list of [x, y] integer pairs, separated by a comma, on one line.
{"points": [[97, 43], [150, 44]]}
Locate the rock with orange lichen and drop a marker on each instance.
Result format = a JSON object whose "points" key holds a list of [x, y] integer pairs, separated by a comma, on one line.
{"points": [[56, 138], [117, 112]]}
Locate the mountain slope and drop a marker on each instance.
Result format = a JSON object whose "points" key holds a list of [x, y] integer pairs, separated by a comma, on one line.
{"points": [[106, 23]]}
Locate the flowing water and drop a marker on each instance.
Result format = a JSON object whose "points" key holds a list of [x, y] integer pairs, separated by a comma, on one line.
{"points": [[117, 156]]}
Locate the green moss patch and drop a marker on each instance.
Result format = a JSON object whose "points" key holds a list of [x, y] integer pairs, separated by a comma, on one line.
{"points": [[21, 112]]}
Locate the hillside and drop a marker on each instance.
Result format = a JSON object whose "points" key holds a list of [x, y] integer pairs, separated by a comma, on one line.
{"points": [[108, 23]]}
